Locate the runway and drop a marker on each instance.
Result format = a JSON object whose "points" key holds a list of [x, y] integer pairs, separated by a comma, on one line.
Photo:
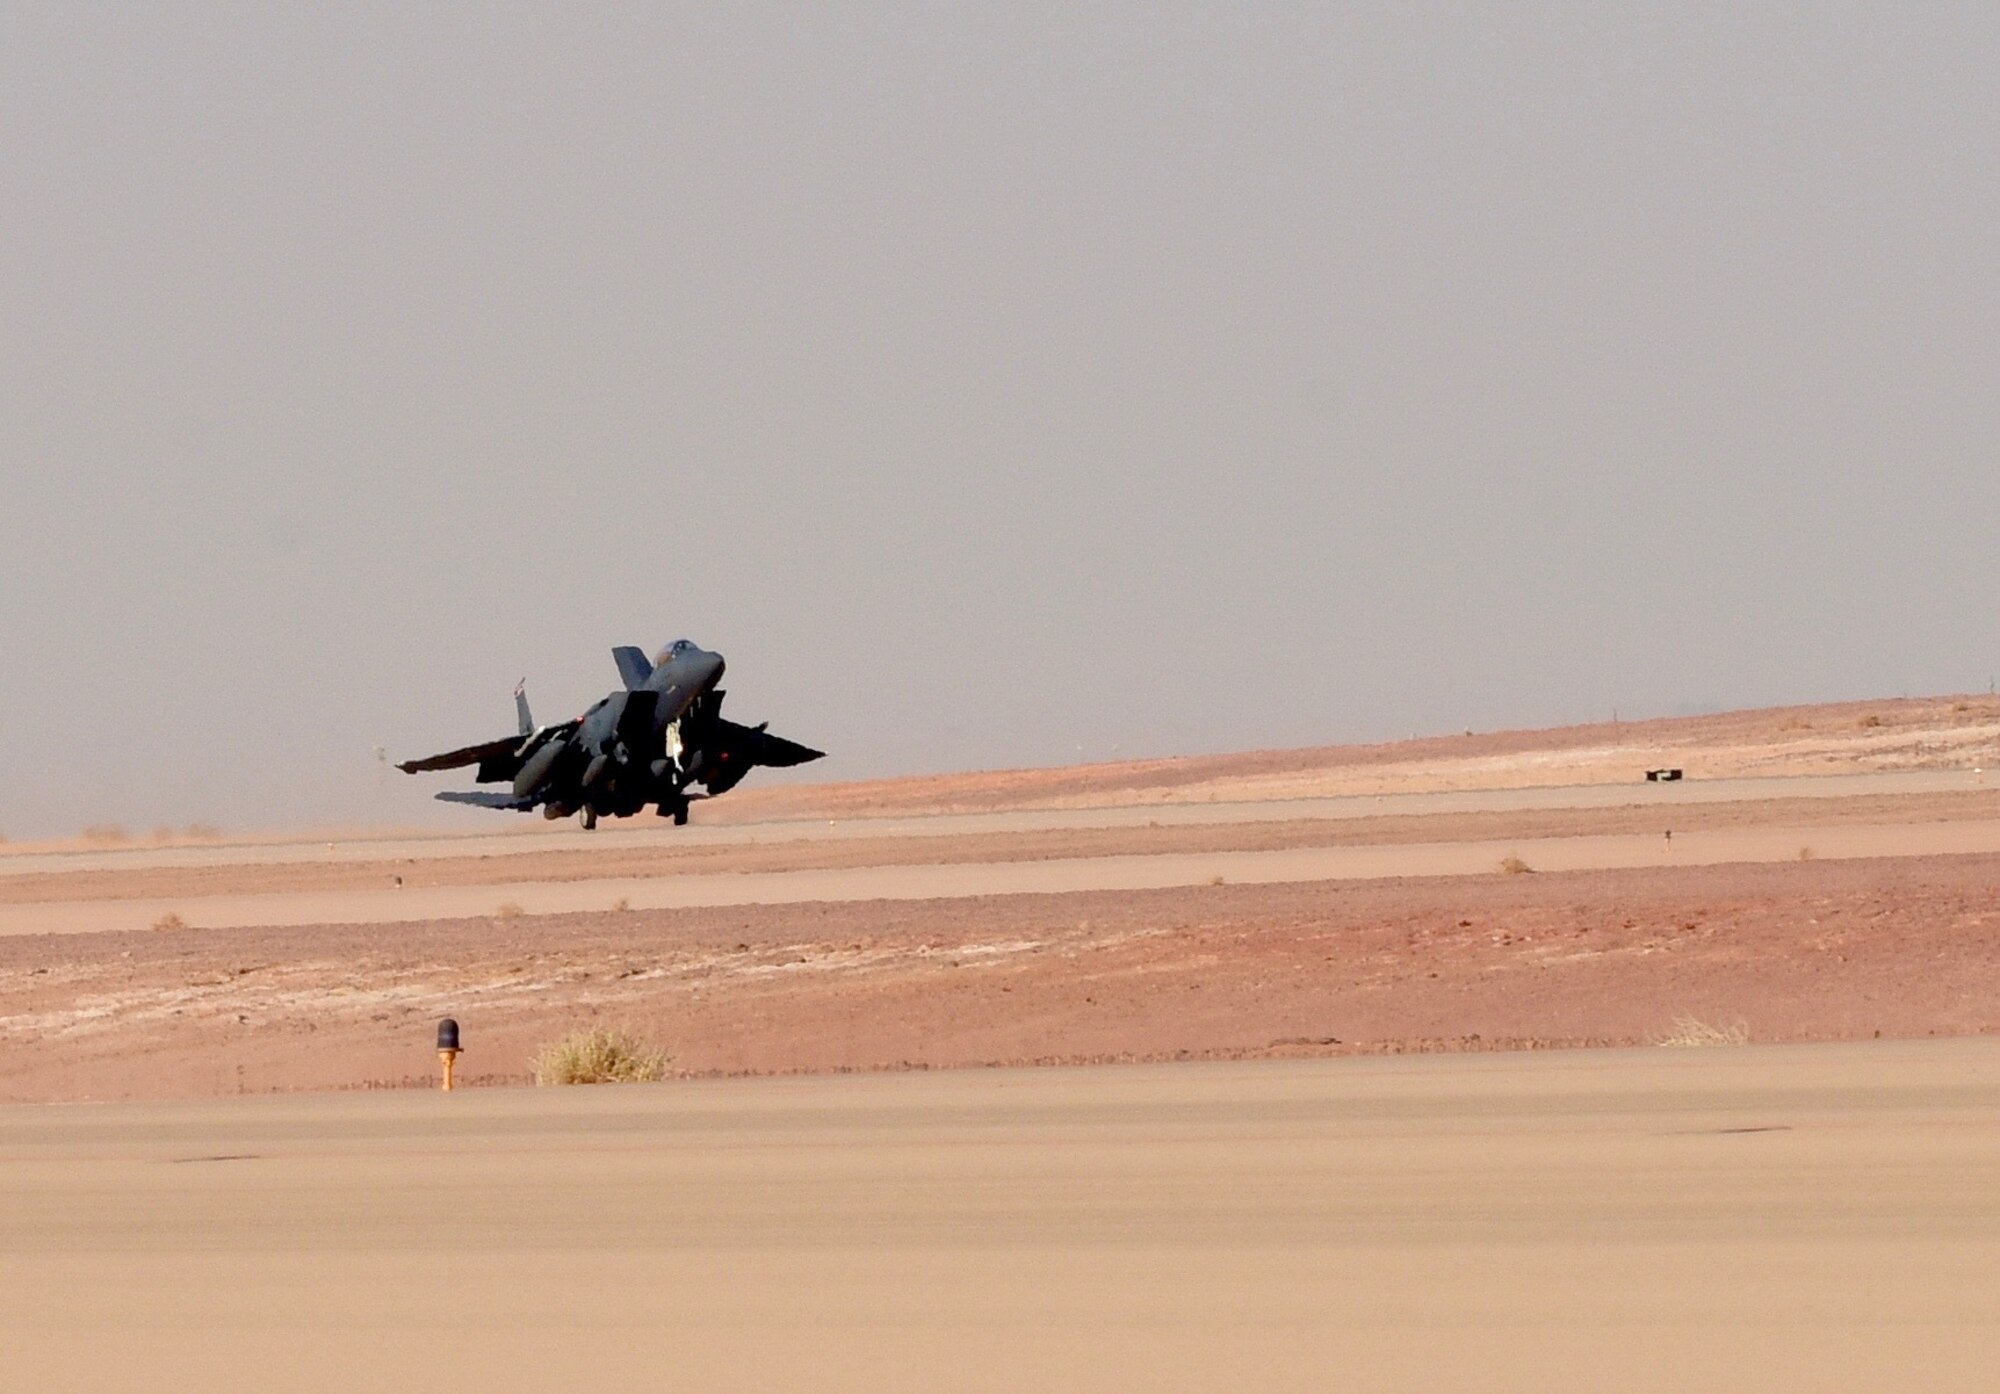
{"points": [[1808, 1217]]}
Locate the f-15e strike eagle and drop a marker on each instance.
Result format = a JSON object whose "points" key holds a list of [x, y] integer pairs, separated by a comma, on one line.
{"points": [[648, 744]]}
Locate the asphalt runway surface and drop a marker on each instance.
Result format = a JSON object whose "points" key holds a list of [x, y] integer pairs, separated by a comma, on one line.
{"points": [[1752, 1218]]}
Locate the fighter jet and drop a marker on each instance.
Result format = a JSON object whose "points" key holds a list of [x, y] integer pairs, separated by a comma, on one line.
{"points": [[647, 744]]}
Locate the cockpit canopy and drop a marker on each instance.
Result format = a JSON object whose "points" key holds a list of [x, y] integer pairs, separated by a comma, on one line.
{"points": [[673, 651]]}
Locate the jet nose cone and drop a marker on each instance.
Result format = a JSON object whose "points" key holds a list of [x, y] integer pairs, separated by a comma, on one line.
{"points": [[711, 668]]}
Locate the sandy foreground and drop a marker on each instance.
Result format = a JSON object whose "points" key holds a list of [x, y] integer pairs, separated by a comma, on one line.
{"points": [[1754, 1218]]}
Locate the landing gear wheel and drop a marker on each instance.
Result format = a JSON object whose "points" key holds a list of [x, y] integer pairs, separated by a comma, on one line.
{"points": [[680, 815], [590, 820]]}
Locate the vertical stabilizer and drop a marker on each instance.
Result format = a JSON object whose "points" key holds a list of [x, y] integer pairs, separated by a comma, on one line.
{"points": [[633, 666], [521, 712]]}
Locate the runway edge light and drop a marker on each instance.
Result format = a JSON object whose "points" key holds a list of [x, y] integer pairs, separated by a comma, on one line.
{"points": [[447, 1049]]}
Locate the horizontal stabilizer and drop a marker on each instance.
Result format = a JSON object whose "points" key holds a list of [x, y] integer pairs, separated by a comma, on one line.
{"points": [[482, 799]]}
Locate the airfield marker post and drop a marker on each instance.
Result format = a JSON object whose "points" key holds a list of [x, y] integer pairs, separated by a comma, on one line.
{"points": [[447, 1050]]}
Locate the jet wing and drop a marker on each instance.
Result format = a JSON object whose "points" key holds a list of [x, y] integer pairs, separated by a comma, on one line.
{"points": [[765, 748], [499, 759], [468, 755], [779, 752]]}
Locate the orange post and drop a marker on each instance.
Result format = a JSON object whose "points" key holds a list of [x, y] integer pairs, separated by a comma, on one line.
{"points": [[447, 1049]]}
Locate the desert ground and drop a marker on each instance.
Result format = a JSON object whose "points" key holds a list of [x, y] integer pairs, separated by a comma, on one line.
{"points": [[1741, 1218], [1367, 1079], [1821, 873]]}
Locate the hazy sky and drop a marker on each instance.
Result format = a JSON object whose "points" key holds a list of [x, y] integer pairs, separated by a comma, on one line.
{"points": [[993, 385]]}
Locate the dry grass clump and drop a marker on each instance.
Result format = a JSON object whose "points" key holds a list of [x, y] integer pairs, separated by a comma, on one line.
{"points": [[1870, 720], [170, 920], [1514, 866], [620, 905], [1688, 1031], [598, 1056], [1805, 854], [506, 910], [106, 832]]}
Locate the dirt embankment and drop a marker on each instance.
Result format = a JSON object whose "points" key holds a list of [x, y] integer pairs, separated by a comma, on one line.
{"points": [[1903, 947], [1919, 733], [614, 861]]}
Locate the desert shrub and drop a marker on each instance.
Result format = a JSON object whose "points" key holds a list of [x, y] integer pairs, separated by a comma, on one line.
{"points": [[203, 832], [106, 832], [1688, 1031], [1805, 854], [1514, 866], [506, 910], [170, 920], [1871, 720], [598, 1056]]}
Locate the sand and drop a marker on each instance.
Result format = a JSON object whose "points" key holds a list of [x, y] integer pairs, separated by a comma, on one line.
{"points": [[377, 882], [1908, 736], [1818, 950], [1820, 1217], [1348, 1142], [1834, 907]]}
